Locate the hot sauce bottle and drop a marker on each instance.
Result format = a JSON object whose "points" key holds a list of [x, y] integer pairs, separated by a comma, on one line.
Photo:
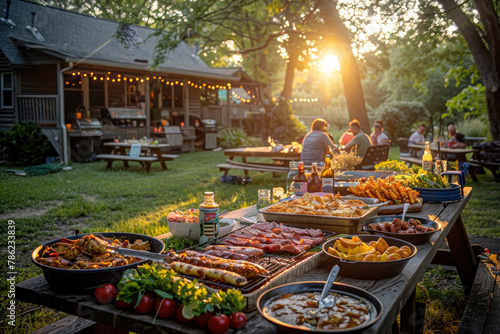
{"points": [[314, 182], [209, 217], [300, 181]]}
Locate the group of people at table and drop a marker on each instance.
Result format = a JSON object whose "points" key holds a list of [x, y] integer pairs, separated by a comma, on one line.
{"points": [[319, 142]]}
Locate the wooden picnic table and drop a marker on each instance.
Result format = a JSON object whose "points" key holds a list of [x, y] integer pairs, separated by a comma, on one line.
{"points": [[149, 153], [280, 160], [460, 152], [397, 294]]}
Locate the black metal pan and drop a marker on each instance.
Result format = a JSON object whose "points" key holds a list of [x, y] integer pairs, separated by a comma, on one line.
{"points": [[370, 270], [313, 286], [82, 279], [414, 238]]}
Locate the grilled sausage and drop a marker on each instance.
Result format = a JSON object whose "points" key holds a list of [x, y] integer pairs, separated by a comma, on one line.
{"points": [[219, 274], [261, 269], [244, 250]]}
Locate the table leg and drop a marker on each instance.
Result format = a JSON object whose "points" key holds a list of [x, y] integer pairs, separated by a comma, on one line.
{"points": [[109, 164], [462, 254], [245, 172], [227, 170], [412, 315], [123, 151]]}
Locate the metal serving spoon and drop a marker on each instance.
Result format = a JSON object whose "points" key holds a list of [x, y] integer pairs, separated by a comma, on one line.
{"points": [[366, 206], [405, 208], [330, 300]]}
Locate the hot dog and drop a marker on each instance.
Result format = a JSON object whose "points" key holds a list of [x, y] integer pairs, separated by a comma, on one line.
{"points": [[223, 275], [261, 269], [244, 250], [249, 271]]}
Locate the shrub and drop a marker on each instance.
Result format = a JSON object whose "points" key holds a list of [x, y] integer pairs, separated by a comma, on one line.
{"points": [[473, 128], [24, 145], [236, 137], [400, 118], [285, 126]]}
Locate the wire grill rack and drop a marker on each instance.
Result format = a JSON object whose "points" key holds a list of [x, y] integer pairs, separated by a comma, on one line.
{"points": [[274, 263]]}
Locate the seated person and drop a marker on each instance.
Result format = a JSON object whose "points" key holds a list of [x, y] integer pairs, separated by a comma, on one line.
{"points": [[317, 143], [457, 140], [346, 137], [360, 142], [417, 138], [378, 136]]}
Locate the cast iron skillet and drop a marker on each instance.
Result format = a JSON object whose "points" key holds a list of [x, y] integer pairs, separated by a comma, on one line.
{"points": [[82, 279], [312, 286], [414, 238], [370, 270]]}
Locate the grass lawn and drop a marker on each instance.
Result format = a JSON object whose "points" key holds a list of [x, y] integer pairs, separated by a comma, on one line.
{"points": [[90, 199]]}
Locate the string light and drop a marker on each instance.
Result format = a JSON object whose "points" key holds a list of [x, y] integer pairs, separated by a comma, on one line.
{"points": [[118, 77]]}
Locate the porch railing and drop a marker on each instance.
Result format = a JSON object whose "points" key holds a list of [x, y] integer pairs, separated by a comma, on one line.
{"points": [[39, 109]]}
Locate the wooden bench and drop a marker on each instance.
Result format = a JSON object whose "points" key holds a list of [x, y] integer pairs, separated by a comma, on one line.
{"points": [[73, 324], [246, 166], [492, 166], [411, 160], [169, 157], [482, 310], [110, 158], [69, 325]]}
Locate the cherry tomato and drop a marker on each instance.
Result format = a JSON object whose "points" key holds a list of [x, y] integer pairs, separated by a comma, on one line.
{"points": [[168, 308], [121, 304], [202, 320], [105, 294], [218, 324], [237, 320], [180, 317], [146, 304]]}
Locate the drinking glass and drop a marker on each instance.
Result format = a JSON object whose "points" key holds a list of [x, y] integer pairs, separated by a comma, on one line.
{"points": [[264, 198], [278, 194]]}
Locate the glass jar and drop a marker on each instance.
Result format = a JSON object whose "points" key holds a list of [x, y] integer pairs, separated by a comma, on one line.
{"points": [[278, 194], [264, 198]]}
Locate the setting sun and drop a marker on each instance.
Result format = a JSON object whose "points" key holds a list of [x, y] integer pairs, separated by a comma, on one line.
{"points": [[329, 63]]}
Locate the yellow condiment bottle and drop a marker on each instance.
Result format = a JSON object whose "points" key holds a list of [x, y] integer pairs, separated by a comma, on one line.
{"points": [[427, 158], [209, 217]]}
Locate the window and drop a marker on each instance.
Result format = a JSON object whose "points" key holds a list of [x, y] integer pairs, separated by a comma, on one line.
{"points": [[7, 88], [172, 95], [209, 96], [96, 92]]}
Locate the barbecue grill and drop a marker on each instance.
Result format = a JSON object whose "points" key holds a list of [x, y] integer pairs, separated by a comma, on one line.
{"points": [[207, 131], [85, 139], [174, 137]]}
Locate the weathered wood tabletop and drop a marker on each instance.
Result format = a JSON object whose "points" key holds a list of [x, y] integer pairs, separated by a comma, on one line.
{"points": [[397, 294]]}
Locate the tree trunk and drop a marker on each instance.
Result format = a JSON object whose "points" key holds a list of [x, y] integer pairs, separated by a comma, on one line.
{"points": [[351, 80], [486, 56], [286, 93]]}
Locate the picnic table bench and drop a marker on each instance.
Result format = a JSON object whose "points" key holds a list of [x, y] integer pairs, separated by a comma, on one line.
{"points": [[280, 160], [149, 153]]}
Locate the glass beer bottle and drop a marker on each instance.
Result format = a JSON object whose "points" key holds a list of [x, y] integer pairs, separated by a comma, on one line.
{"points": [[209, 217], [314, 182], [300, 181], [328, 176], [427, 158]]}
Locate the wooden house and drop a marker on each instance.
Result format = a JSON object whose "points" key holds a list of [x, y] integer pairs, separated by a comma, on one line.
{"points": [[59, 67]]}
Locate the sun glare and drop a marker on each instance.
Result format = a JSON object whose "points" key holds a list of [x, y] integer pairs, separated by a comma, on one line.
{"points": [[330, 63]]}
